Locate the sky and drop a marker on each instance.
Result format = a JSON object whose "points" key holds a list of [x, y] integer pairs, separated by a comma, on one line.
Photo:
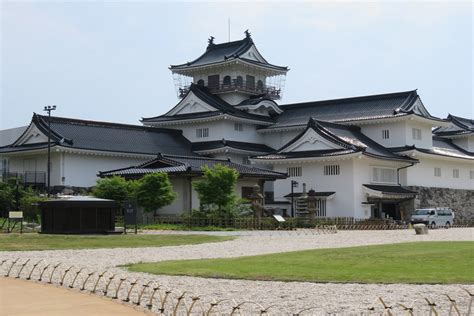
{"points": [[108, 60]]}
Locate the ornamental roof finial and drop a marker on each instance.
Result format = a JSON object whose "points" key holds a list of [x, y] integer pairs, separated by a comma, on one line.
{"points": [[210, 42], [247, 33]]}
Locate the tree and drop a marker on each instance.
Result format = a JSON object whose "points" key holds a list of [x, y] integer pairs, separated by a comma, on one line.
{"points": [[217, 189], [114, 188], [154, 191]]}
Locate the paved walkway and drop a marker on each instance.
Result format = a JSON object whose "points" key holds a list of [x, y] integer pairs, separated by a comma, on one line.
{"points": [[20, 297]]}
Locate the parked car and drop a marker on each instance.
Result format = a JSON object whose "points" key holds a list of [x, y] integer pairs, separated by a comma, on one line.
{"points": [[433, 217]]}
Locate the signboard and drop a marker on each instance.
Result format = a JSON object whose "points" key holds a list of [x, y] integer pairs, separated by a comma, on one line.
{"points": [[279, 218], [15, 215], [130, 213]]}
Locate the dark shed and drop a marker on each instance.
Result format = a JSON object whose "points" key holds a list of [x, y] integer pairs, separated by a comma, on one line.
{"points": [[78, 215]]}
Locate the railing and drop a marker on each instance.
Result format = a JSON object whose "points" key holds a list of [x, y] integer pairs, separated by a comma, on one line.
{"points": [[243, 86]]}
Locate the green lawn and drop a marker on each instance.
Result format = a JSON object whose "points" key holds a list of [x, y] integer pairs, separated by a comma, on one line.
{"points": [[52, 242], [420, 262]]}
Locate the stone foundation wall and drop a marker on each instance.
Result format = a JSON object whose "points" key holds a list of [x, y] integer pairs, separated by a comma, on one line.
{"points": [[461, 201]]}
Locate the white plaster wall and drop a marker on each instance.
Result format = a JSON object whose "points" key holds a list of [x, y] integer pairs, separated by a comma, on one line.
{"points": [[81, 170], [37, 162], [467, 143], [279, 139], [422, 174], [397, 131], [342, 204], [221, 129], [426, 134]]}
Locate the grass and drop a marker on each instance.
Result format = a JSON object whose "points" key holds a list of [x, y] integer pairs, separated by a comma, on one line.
{"points": [[13, 242], [420, 262], [183, 227]]}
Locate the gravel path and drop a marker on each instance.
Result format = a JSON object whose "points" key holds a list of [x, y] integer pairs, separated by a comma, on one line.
{"points": [[288, 296]]}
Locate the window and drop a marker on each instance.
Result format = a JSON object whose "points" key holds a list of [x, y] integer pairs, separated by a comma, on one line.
{"points": [[213, 81], [416, 133], [437, 172], [471, 174], [331, 170], [246, 192], [456, 173], [240, 81], [385, 134], [384, 175], [245, 161], [202, 132], [226, 81], [294, 171], [200, 82], [250, 82], [239, 127], [260, 85]]}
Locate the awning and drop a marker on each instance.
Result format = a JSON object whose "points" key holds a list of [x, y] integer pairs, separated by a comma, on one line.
{"points": [[387, 192], [319, 195]]}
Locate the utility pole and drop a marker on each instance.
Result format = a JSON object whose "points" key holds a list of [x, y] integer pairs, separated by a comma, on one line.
{"points": [[48, 109]]}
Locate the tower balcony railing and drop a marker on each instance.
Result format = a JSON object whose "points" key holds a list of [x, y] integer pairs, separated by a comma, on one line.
{"points": [[270, 92]]}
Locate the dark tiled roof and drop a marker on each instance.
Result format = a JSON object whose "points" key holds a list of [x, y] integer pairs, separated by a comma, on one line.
{"points": [[220, 105], [201, 146], [389, 189], [353, 109], [441, 147], [461, 126], [191, 165], [349, 138], [110, 137], [217, 53]]}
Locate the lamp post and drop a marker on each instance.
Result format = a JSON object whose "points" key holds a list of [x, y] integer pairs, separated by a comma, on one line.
{"points": [[48, 109], [294, 184]]}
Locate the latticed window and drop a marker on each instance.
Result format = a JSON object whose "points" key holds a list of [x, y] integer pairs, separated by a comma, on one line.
{"points": [[456, 173], [385, 134], [293, 171], [239, 127], [471, 174], [202, 132], [332, 170], [416, 133], [437, 172], [384, 175]]}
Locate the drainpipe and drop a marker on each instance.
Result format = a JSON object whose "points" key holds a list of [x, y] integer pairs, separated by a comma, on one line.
{"points": [[398, 171]]}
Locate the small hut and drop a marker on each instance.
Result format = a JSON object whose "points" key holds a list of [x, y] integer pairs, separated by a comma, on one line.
{"points": [[78, 215]]}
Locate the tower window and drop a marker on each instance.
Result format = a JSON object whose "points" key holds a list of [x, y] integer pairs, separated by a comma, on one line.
{"points": [[226, 81], [240, 81], [200, 82], [213, 81], [332, 170], [250, 82], [260, 85], [293, 171], [416, 133], [437, 172], [471, 174], [385, 134], [239, 127], [202, 132], [456, 173]]}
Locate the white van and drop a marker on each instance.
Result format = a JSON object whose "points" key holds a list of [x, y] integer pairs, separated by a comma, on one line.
{"points": [[433, 217]]}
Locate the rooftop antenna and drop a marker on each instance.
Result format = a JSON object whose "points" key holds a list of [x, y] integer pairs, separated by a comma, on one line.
{"points": [[228, 27]]}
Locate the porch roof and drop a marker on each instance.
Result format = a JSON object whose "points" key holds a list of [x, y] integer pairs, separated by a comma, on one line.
{"points": [[391, 192]]}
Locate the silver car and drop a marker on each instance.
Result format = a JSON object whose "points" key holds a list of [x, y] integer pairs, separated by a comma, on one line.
{"points": [[433, 217]]}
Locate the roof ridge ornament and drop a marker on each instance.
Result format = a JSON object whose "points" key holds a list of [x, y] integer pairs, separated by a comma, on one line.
{"points": [[247, 34], [210, 42]]}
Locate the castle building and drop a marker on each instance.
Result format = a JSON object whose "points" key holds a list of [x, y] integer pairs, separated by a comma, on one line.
{"points": [[368, 156]]}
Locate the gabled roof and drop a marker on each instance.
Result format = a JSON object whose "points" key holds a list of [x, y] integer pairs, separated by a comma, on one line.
{"points": [[192, 166], [239, 146], [225, 52], [348, 139], [441, 147], [371, 107], [104, 136], [460, 126], [221, 107]]}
